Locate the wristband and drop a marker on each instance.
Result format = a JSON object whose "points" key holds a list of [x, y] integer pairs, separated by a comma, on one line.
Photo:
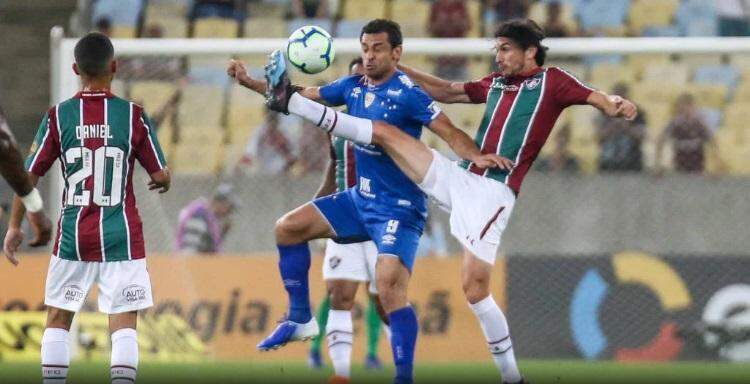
{"points": [[33, 201]]}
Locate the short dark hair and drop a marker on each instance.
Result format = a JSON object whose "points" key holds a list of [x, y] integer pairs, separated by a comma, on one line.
{"points": [[526, 33], [356, 61], [93, 53], [395, 38]]}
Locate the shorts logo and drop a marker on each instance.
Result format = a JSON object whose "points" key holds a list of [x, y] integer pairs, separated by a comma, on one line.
{"points": [[388, 239], [334, 262], [133, 293], [73, 293]]}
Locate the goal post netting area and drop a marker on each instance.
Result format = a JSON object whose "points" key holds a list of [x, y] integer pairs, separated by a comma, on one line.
{"points": [[628, 241]]}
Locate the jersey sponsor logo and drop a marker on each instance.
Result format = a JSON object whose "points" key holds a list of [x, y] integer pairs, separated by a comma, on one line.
{"points": [[73, 293], [93, 131], [509, 88], [406, 81], [365, 187], [369, 98], [497, 83], [394, 92], [334, 262], [532, 83], [133, 293], [291, 283], [356, 92], [404, 203]]}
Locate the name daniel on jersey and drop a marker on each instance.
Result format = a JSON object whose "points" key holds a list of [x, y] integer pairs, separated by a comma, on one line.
{"points": [[93, 131]]}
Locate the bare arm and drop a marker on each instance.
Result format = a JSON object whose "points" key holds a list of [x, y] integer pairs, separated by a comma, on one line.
{"points": [[328, 185], [14, 236], [237, 71], [613, 105], [439, 89], [11, 162], [464, 146]]}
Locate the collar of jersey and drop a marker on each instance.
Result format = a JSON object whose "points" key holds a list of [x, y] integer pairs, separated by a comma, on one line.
{"points": [[523, 76], [383, 84], [93, 94]]}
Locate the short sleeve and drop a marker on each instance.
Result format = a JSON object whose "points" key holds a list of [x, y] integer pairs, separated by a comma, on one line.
{"points": [[335, 93], [477, 90], [148, 151], [421, 107], [568, 89], [46, 146]]}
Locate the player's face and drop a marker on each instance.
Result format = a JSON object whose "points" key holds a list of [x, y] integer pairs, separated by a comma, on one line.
{"points": [[510, 58], [379, 58]]}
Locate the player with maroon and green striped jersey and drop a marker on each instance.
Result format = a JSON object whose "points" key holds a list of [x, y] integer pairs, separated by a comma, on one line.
{"points": [[97, 137], [523, 101]]}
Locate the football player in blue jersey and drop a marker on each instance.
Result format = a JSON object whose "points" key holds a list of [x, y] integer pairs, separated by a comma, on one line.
{"points": [[385, 206]]}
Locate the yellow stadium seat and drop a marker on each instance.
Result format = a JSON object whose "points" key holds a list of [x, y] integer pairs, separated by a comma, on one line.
{"points": [[640, 62], [201, 106], [737, 119], [272, 10], [586, 152], [246, 111], [742, 93], [201, 134], [605, 75], [410, 11], [197, 158], [479, 67], [651, 13], [647, 92], [740, 60], [700, 60], [172, 27], [676, 74], [215, 27], [475, 12], [657, 116], [709, 95], [582, 127], [538, 13], [265, 27], [153, 95], [364, 9], [123, 32]]}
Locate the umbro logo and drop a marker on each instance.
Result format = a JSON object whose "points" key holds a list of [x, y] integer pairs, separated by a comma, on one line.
{"points": [[334, 262]]}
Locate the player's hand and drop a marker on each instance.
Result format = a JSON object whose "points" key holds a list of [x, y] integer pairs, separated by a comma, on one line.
{"points": [[158, 185], [237, 71], [625, 108], [491, 160], [13, 239], [42, 228]]}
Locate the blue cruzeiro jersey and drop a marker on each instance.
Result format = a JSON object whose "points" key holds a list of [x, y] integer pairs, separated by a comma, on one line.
{"points": [[398, 102]]}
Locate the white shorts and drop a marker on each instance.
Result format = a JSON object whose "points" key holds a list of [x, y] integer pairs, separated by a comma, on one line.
{"points": [[479, 206], [124, 286], [354, 262]]}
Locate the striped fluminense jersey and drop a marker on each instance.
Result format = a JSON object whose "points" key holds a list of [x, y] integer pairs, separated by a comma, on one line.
{"points": [[520, 113], [342, 153], [97, 137]]}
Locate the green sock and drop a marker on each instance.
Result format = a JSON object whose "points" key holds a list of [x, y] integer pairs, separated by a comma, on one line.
{"points": [[373, 328], [322, 317]]}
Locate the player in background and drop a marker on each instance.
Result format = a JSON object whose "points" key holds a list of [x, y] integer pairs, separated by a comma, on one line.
{"points": [[344, 267], [97, 137], [385, 206], [523, 101], [13, 171]]}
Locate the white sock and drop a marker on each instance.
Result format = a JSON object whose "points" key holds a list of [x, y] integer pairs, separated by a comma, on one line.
{"points": [[55, 356], [333, 122], [124, 356], [339, 335], [387, 331], [496, 331]]}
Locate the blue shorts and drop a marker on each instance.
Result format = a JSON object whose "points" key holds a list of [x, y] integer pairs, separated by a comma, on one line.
{"points": [[395, 230]]}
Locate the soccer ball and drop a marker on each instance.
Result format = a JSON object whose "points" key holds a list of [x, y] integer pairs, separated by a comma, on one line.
{"points": [[310, 49]]}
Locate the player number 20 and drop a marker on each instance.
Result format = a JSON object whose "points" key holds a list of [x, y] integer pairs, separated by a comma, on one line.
{"points": [[95, 162]]}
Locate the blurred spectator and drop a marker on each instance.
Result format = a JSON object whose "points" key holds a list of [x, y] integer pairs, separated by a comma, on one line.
{"points": [[733, 17], [313, 150], [228, 9], [450, 19], [510, 9], [309, 9], [269, 150], [689, 135], [203, 224], [561, 159], [118, 12], [151, 67], [554, 26], [620, 141], [103, 25]]}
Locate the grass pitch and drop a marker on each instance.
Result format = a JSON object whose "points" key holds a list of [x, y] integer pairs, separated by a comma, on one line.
{"points": [[537, 371]]}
